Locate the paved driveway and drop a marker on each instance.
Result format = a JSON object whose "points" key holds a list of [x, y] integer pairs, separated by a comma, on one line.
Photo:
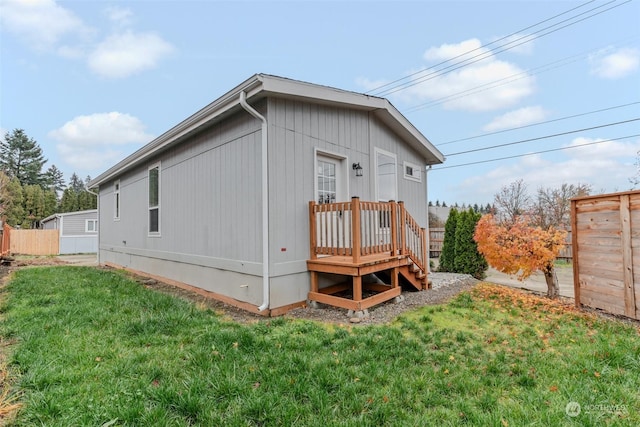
{"points": [[84, 259], [536, 281]]}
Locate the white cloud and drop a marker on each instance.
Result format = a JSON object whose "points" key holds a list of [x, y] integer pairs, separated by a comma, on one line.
{"points": [[128, 53], [41, 23], [481, 83], [615, 64], [95, 141], [120, 16], [520, 117], [606, 166], [46, 26]]}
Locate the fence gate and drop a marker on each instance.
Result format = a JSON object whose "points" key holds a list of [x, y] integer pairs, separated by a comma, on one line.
{"points": [[606, 252]]}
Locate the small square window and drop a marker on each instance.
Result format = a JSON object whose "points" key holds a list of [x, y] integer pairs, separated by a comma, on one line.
{"points": [[412, 172], [91, 226]]}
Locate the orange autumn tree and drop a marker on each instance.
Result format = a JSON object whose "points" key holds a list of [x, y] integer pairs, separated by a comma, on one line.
{"points": [[516, 247]]}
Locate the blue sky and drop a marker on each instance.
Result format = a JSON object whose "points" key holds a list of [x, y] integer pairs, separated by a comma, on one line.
{"points": [[92, 81]]}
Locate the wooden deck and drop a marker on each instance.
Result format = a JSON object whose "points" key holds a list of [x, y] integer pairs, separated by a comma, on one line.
{"points": [[355, 239]]}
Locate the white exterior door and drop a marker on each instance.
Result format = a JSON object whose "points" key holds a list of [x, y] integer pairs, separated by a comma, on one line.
{"points": [[386, 190], [331, 187], [330, 182]]}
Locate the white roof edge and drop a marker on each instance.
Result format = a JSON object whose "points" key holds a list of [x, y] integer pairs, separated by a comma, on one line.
{"points": [[269, 84], [61, 214]]}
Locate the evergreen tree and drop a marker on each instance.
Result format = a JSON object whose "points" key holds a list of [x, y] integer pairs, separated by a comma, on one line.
{"points": [[69, 200], [447, 256], [75, 183], [13, 210], [33, 206], [476, 208], [50, 203], [467, 258], [54, 179], [21, 157]]}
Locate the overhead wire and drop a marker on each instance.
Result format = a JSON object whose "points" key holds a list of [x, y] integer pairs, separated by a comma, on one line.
{"points": [[538, 123], [503, 81], [541, 137], [480, 47], [479, 57], [534, 153]]}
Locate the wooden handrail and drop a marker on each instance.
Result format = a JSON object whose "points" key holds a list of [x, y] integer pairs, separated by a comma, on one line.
{"points": [[358, 228]]}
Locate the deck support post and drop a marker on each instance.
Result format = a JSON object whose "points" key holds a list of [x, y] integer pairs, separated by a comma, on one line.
{"points": [[357, 288]]}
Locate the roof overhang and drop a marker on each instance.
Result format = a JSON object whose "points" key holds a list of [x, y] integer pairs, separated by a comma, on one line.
{"points": [[264, 85]]}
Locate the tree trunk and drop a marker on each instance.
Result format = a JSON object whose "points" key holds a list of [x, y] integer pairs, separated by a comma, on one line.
{"points": [[553, 287]]}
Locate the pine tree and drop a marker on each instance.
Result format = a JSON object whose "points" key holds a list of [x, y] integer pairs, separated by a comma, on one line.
{"points": [[54, 179], [75, 183], [447, 256], [13, 210], [467, 258], [21, 157]]}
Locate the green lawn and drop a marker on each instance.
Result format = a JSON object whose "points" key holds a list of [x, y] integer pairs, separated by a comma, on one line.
{"points": [[95, 348]]}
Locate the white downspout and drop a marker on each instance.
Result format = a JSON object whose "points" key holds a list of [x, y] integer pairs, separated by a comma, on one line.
{"points": [[265, 203], [98, 209], [428, 248]]}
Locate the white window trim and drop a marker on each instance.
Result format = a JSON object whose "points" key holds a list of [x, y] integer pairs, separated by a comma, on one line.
{"points": [[154, 233], [377, 150], [415, 168], [86, 225], [117, 207]]}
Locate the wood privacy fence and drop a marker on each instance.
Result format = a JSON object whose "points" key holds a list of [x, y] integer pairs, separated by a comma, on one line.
{"points": [[5, 240], [35, 242], [606, 238], [436, 237]]}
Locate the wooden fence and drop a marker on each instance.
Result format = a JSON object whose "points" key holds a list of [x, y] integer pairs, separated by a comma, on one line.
{"points": [[34, 242], [436, 237], [606, 238], [5, 240]]}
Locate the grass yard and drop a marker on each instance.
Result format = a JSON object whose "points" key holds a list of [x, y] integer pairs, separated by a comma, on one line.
{"points": [[95, 348]]}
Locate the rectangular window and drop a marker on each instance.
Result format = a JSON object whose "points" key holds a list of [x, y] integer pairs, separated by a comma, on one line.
{"points": [[326, 182], [91, 226], [154, 199], [116, 200], [412, 172]]}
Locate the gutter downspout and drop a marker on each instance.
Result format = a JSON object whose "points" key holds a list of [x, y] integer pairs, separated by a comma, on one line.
{"points": [[428, 248], [265, 203], [98, 209]]}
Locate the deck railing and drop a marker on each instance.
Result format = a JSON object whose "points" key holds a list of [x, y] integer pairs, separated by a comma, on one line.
{"points": [[358, 228]]}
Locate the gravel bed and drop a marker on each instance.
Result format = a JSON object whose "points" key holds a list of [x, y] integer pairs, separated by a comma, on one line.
{"points": [[444, 287]]}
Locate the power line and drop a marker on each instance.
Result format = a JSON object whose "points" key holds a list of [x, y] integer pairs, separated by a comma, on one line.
{"points": [[480, 47], [496, 50], [538, 123], [540, 137], [537, 152], [503, 81]]}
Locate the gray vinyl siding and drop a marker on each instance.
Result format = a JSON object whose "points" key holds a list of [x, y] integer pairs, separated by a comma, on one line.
{"points": [[74, 224], [297, 129], [412, 193], [209, 199]]}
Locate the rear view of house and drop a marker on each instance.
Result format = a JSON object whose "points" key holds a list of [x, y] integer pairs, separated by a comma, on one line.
{"points": [[221, 201]]}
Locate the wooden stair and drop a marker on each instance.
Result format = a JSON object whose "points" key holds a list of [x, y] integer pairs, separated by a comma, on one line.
{"points": [[357, 238]]}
